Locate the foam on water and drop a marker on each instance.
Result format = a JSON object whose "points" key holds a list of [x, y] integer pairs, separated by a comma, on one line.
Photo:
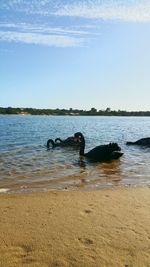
{"points": [[4, 190]]}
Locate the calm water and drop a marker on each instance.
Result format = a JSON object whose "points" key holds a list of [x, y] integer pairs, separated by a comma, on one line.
{"points": [[27, 165]]}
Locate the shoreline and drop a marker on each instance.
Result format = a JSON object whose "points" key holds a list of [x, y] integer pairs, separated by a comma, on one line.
{"points": [[28, 190], [76, 228]]}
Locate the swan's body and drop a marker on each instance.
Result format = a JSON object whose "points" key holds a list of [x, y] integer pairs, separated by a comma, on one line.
{"points": [[99, 153], [141, 142], [70, 141]]}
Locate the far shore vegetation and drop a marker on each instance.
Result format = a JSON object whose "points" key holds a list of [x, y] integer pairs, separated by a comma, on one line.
{"points": [[71, 112]]}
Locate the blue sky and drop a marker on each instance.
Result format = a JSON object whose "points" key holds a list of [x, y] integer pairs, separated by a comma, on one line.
{"points": [[73, 53]]}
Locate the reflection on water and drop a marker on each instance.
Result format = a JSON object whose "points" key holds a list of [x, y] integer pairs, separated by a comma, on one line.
{"points": [[26, 164]]}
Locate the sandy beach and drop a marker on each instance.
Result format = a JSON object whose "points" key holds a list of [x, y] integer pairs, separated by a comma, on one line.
{"points": [[76, 228]]}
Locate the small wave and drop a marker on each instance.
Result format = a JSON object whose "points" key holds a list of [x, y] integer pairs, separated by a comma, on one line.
{"points": [[3, 190]]}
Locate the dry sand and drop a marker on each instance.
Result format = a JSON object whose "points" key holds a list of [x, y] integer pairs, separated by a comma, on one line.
{"points": [[76, 228]]}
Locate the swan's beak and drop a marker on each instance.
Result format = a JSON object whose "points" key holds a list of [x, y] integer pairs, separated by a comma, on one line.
{"points": [[77, 139]]}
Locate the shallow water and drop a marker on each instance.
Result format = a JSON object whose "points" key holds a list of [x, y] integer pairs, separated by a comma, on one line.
{"points": [[27, 165]]}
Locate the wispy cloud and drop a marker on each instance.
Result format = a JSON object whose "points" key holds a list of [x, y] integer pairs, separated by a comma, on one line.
{"points": [[129, 10], [43, 28], [42, 34], [42, 7], [35, 38], [23, 28], [136, 11]]}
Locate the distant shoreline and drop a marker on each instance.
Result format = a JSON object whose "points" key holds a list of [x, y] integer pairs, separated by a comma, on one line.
{"points": [[72, 112]]}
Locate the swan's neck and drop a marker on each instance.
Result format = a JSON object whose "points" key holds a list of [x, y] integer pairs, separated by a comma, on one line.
{"points": [[50, 141], [58, 139], [82, 146]]}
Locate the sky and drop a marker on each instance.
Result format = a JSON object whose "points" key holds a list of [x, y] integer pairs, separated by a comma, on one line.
{"points": [[75, 54]]}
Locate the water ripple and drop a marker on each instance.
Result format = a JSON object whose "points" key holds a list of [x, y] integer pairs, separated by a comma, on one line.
{"points": [[26, 164]]}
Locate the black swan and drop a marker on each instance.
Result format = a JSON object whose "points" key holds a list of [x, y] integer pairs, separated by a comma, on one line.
{"points": [[140, 142], [99, 153]]}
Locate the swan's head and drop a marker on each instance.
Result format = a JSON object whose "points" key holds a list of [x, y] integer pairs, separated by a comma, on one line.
{"points": [[114, 147], [78, 136]]}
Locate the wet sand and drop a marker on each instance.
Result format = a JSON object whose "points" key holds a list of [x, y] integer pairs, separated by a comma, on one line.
{"points": [[76, 228]]}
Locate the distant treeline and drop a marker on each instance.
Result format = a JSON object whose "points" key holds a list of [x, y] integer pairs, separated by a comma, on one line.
{"points": [[71, 112]]}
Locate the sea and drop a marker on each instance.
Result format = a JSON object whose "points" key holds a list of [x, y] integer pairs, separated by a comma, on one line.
{"points": [[26, 165]]}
